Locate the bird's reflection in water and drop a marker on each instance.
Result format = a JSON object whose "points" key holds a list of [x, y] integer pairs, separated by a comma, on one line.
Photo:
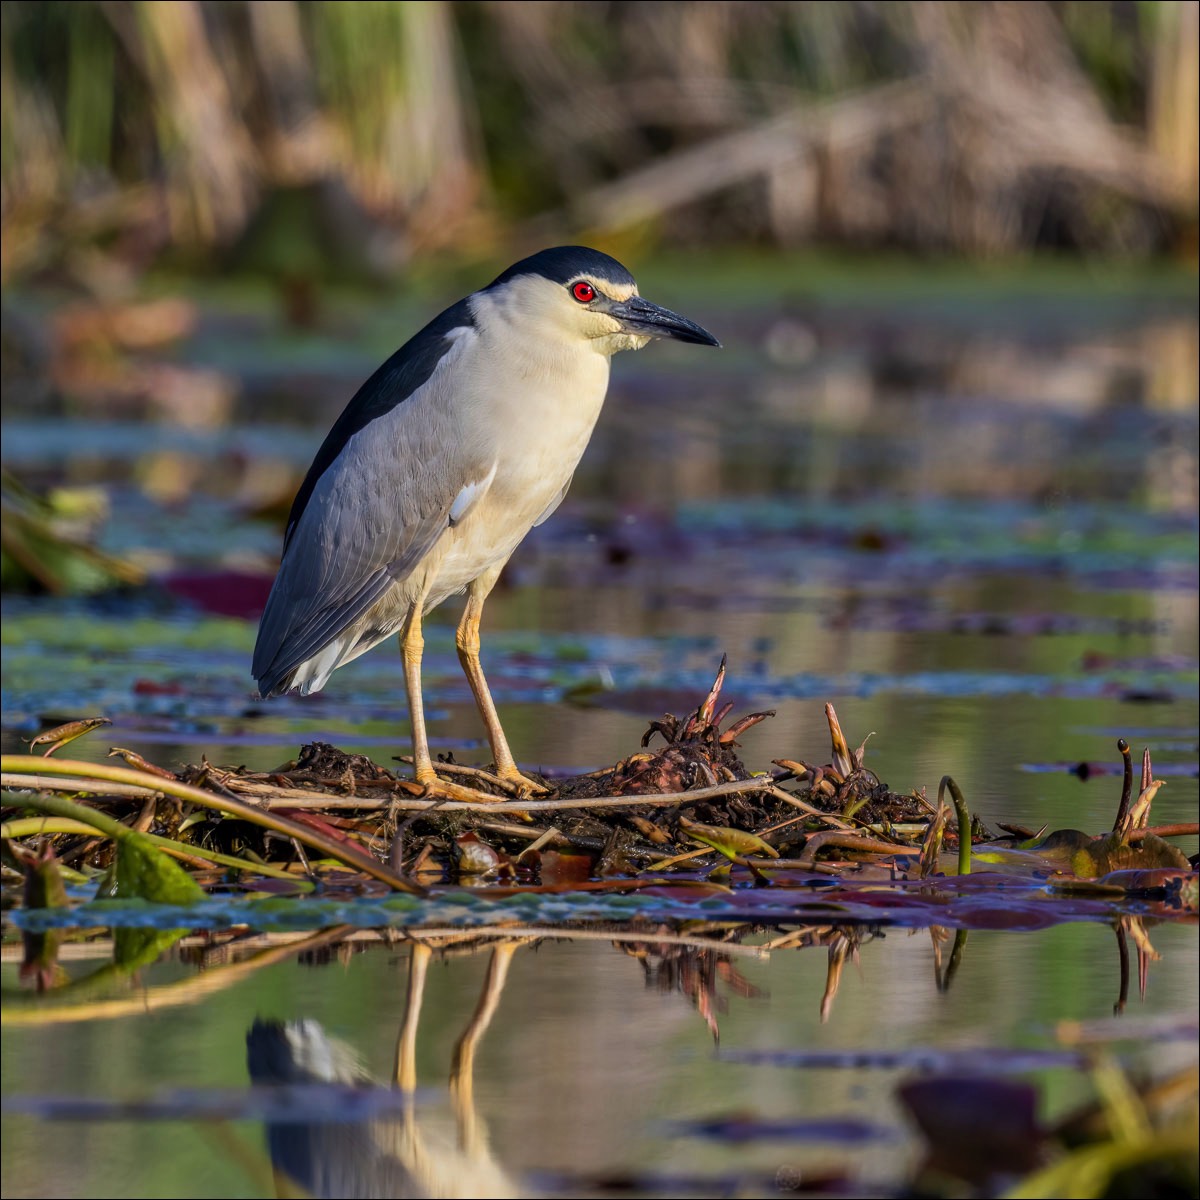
{"points": [[411, 1150], [391, 1156]]}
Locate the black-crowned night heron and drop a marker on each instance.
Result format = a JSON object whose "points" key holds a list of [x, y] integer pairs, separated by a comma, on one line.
{"points": [[447, 456]]}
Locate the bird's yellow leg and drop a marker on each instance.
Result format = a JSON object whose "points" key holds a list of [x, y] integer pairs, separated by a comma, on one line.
{"points": [[467, 641], [412, 644]]}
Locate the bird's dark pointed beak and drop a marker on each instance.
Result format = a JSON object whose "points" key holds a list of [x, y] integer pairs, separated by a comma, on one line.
{"points": [[640, 316]]}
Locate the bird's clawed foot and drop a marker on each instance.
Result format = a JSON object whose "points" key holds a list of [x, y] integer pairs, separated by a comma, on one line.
{"points": [[520, 785], [512, 783], [437, 788]]}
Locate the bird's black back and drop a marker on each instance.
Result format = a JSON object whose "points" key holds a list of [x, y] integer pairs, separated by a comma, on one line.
{"points": [[390, 385]]}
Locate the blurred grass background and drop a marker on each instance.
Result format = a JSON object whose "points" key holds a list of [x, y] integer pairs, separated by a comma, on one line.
{"points": [[215, 213], [342, 140]]}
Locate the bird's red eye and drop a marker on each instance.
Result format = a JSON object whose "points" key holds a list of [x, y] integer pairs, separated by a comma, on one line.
{"points": [[584, 292]]}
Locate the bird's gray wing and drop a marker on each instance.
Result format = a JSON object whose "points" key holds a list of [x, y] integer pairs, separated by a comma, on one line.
{"points": [[402, 377], [317, 604], [376, 511]]}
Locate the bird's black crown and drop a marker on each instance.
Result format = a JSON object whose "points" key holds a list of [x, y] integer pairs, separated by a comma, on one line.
{"points": [[561, 264]]}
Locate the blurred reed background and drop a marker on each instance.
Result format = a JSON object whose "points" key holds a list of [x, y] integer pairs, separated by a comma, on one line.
{"points": [[345, 139], [217, 215]]}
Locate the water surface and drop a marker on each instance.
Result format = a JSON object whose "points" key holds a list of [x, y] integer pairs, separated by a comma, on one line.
{"points": [[969, 521]]}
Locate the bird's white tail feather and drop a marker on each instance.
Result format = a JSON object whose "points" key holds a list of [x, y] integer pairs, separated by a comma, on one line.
{"points": [[313, 675]]}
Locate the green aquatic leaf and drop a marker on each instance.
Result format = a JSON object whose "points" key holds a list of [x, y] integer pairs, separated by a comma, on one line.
{"points": [[1103, 855], [1058, 847], [144, 872], [141, 872], [733, 843]]}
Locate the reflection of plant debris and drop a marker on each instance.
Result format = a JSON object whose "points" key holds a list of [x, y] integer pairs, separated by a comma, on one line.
{"points": [[695, 972]]}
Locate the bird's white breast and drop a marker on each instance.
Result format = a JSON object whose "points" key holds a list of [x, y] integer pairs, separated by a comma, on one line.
{"points": [[528, 406]]}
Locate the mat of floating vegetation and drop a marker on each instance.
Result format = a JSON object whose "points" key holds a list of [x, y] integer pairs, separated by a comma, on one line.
{"points": [[683, 820]]}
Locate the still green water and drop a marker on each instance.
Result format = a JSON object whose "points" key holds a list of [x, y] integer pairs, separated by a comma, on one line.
{"points": [[967, 520]]}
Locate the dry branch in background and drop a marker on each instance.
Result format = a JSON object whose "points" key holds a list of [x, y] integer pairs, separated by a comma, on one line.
{"points": [[939, 125]]}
